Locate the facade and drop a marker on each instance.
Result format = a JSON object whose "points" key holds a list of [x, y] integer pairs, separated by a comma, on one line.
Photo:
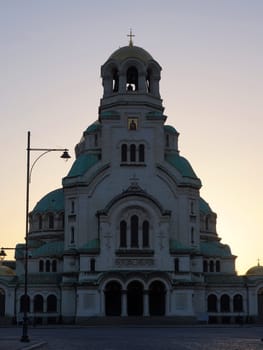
{"points": [[128, 234]]}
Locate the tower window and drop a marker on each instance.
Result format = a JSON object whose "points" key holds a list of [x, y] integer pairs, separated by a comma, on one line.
{"points": [[145, 234], [132, 153], [132, 79], [51, 221], [72, 235], [217, 266], [176, 265], [123, 234], [47, 266], [92, 265], [141, 153], [124, 150], [41, 266], [115, 76], [40, 222], [134, 231]]}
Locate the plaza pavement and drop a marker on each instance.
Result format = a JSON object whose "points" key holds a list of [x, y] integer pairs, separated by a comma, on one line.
{"points": [[133, 337]]}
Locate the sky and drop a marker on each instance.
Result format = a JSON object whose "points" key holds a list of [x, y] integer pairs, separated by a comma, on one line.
{"points": [[211, 53]]}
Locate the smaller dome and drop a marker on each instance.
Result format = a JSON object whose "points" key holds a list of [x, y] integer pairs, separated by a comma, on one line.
{"points": [[255, 271], [6, 271], [53, 201], [131, 52]]}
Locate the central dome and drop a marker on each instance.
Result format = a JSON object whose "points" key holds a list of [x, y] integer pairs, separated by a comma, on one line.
{"points": [[131, 52]]}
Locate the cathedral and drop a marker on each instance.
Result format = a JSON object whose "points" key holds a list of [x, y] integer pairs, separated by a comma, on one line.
{"points": [[128, 234]]}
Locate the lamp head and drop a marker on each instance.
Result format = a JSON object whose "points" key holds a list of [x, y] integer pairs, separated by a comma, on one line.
{"points": [[65, 155], [2, 254]]}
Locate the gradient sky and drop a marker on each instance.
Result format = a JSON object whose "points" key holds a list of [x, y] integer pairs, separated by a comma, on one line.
{"points": [[211, 52]]}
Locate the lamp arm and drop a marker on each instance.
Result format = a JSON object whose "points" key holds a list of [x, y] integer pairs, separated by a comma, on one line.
{"points": [[40, 156]]}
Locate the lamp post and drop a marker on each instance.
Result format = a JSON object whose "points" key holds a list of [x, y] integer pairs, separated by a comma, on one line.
{"points": [[44, 151]]}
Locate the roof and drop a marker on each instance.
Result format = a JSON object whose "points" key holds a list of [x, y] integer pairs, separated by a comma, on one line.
{"points": [[215, 249], [94, 127], [53, 201], [182, 165], [170, 129], [82, 164], [131, 52], [204, 207], [49, 249]]}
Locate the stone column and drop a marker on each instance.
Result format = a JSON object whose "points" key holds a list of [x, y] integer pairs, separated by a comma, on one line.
{"points": [[124, 303], [146, 303]]}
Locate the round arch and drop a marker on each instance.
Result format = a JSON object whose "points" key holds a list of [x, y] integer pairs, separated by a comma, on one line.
{"points": [[112, 292], [157, 298], [135, 298]]}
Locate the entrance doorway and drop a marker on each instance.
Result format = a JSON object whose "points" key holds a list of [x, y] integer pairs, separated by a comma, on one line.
{"points": [[113, 299], [260, 305], [2, 302], [135, 299], [157, 299]]}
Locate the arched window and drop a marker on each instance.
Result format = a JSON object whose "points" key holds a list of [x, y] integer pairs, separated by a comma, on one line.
{"points": [[40, 222], [72, 234], [51, 303], [132, 153], [167, 141], [132, 79], [134, 231], [115, 76], [41, 266], [176, 265], [54, 265], [238, 303], [205, 266], [145, 234], [212, 303], [225, 303], [124, 153], [123, 234], [72, 207], [50, 221], [92, 265], [141, 153], [38, 303], [211, 266], [217, 265], [207, 223], [48, 266], [192, 235], [62, 220], [24, 303]]}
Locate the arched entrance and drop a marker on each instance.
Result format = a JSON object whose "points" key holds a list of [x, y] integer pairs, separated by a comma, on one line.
{"points": [[113, 299], [135, 299], [260, 305], [157, 299], [2, 302]]}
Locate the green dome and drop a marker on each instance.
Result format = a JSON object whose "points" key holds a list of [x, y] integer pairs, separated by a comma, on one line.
{"points": [[96, 126], [52, 202], [170, 129], [204, 207], [131, 52]]}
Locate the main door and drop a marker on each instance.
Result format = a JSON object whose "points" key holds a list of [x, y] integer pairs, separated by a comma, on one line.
{"points": [[135, 299], [157, 299]]}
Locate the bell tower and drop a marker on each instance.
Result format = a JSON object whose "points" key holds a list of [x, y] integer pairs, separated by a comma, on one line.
{"points": [[130, 78]]}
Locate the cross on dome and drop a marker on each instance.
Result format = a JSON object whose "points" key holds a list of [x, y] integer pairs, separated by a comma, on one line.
{"points": [[130, 36]]}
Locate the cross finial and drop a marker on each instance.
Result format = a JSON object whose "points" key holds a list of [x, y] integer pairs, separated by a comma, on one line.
{"points": [[130, 36]]}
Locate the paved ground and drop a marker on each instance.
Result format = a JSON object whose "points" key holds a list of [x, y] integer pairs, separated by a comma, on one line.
{"points": [[138, 338]]}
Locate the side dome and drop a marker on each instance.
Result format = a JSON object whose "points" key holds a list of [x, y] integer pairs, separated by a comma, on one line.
{"points": [[131, 52], [6, 271], [52, 202], [255, 271]]}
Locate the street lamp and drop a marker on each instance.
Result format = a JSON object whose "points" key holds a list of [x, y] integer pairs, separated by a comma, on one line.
{"points": [[44, 151]]}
